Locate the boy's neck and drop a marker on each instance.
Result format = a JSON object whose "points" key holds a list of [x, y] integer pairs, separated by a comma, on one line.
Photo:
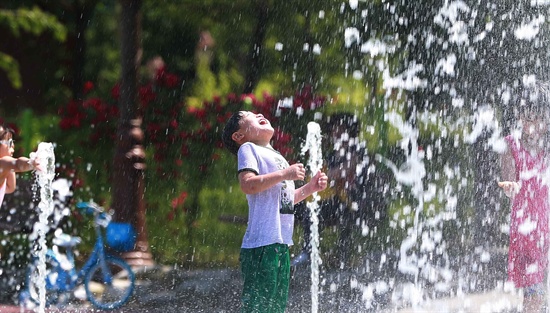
{"points": [[262, 144]]}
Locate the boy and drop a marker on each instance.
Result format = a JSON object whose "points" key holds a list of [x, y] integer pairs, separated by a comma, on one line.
{"points": [[268, 182]]}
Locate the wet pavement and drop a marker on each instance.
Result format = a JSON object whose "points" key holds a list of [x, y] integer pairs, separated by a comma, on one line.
{"points": [[169, 289]]}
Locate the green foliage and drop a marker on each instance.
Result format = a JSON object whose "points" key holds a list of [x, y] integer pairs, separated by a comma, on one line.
{"points": [[33, 21], [170, 34], [34, 129], [217, 241], [103, 47], [184, 193], [11, 67], [190, 180]]}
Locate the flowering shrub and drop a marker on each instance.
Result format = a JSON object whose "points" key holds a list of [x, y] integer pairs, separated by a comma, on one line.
{"points": [[181, 141]]}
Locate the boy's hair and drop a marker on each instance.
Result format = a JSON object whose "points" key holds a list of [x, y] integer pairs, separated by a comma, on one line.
{"points": [[233, 125]]}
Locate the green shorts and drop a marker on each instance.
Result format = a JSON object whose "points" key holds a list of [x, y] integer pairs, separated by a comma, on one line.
{"points": [[266, 276]]}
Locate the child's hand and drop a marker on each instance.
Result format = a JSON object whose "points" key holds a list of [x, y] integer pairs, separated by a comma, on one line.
{"points": [[36, 165], [295, 172], [34, 161], [510, 188], [319, 181]]}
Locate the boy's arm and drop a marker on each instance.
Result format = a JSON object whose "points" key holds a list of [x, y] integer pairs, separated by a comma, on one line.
{"points": [[317, 183], [252, 183]]}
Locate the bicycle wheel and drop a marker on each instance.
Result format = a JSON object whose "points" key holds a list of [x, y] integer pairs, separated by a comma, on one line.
{"points": [[54, 278], [109, 287]]}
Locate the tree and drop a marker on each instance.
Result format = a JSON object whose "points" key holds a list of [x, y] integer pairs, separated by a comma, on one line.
{"points": [[129, 159]]}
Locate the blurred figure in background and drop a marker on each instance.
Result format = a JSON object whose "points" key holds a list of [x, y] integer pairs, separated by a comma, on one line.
{"points": [[525, 181], [356, 197]]}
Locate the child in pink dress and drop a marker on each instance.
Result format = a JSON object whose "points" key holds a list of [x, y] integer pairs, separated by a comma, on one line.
{"points": [[10, 165], [524, 167]]}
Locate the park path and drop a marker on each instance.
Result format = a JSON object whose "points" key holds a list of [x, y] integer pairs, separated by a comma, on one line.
{"points": [[169, 290], [17, 309]]}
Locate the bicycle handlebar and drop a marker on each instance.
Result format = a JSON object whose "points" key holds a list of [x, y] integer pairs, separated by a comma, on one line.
{"points": [[91, 208]]}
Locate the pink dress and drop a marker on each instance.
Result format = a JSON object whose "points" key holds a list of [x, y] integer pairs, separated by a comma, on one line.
{"points": [[528, 251], [2, 192]]}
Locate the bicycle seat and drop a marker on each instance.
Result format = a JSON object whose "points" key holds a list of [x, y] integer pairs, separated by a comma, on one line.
{"points": [[66, 241]]}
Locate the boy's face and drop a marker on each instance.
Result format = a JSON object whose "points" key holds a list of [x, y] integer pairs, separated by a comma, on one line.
{"points": [[253, 128]]}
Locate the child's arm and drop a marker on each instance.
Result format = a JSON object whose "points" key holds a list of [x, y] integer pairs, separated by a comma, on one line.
{"points": [[9, 166], [251, 183], [317, 183], [508, 182]]}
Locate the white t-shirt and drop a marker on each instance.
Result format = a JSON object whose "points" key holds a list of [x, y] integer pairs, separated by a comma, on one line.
{"points": [[270, 212]]}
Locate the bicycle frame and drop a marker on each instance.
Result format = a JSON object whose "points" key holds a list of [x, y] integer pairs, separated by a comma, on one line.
{"points": [[101, 270], [77, 277], [98, 255]]}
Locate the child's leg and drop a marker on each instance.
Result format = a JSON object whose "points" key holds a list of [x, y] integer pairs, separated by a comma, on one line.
{"points": [[263, 291], [283, 277]]}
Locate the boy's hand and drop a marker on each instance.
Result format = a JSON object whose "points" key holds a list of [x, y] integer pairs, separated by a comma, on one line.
{"points": [[295, 172], [510, 188], [319, 181]]}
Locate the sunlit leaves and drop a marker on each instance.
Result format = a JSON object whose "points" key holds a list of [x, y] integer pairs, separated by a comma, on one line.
{"points": [[11, 67], [33, 21]]}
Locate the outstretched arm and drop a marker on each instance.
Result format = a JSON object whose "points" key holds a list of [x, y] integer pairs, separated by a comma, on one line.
{"points": [[317, 183], [251, 183], [9, 166]]}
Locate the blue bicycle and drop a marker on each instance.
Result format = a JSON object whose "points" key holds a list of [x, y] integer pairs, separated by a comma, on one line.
{"points": [[108, 281]]}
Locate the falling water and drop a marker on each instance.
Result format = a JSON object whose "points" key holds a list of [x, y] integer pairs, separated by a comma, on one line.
{"points": [[44, 179], [462, 65], [411, 173], [312, 145]]}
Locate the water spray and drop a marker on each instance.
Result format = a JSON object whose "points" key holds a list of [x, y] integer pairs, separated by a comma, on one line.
{"points": [[44, 179], [315, 162]]}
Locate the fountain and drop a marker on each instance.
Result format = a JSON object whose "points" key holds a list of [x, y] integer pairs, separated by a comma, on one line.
{"points": [[449, 102], [441, 78], [312, 146], [44, 179]]}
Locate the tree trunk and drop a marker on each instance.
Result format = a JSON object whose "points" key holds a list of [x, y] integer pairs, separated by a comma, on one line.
{"points": [[256, 46], [129, 159]]}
